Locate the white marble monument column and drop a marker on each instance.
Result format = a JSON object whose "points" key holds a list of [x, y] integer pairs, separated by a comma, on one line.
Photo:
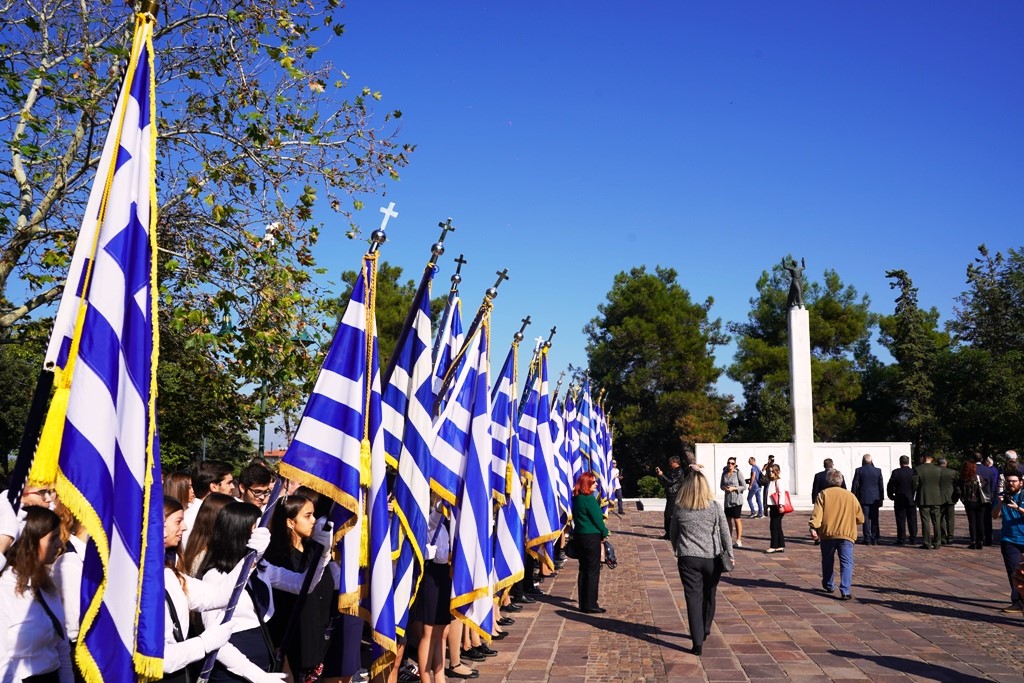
{"points": [[800, 397]]}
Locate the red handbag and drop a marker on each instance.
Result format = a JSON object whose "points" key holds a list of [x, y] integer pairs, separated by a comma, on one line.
{"points": [[782, 501]]}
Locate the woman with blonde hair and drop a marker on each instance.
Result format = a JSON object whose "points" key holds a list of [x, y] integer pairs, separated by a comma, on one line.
{"points": [[700, 535]]}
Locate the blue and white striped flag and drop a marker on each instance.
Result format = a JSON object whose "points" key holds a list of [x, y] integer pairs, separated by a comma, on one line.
{"points": [[508, 535], [602, 469], [542, 526], [338, 450], [463, 429], [563, 487], [572, 436], [407, 402], [99, 444], [584, 423], [444, 475]]}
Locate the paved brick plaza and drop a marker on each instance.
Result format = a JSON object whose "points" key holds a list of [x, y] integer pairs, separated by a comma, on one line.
{"points": [[917, 615]]}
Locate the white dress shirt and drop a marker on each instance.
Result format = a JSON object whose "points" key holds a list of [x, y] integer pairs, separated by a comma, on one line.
{"points": [[67, 574], [190, 520], [29, 643]]}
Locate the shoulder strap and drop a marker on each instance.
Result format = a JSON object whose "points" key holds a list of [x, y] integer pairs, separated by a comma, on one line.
{"points": [[715, 533], [58, 628], [179, 635]]}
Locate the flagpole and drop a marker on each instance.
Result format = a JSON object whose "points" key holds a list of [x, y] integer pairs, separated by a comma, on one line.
{"points": [[436, 252], [490, 295], [30, 438]]}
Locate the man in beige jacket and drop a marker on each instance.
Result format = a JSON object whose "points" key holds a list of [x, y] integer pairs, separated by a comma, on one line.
{"points": [[834, 520]]}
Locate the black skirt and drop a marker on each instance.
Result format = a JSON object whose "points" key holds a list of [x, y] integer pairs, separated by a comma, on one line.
{"points": [[433, 602], [253, 645]]}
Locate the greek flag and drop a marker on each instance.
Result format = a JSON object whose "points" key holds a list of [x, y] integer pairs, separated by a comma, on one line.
{"points": [[338, 450], [583, 421], [563, 488], [464, 431], [444, 474], [542, 525], [572, 437], [508, 536], [407, 401], [99, 443], [601, 466]]}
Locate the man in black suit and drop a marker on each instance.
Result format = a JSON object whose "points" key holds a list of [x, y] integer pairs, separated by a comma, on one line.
{"points": [[991, 476], [929, 500], [870, 491], [901, 489], [820, 484]]}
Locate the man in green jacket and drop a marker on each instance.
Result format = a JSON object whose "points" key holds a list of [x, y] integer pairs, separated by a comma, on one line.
{"points": [[929, 501]]}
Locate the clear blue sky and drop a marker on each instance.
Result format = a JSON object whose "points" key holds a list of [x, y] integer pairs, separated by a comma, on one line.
{"points": [[569, 141]]}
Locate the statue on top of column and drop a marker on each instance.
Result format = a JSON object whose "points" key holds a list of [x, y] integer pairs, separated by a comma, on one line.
{"points": [[796, 291]]}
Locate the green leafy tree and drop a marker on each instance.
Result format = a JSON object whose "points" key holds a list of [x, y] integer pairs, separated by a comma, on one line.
{"points": [[980, 382], [840, 325], [256, 131], [199, 408], [21, 360], [912, 337], [652, 349]]}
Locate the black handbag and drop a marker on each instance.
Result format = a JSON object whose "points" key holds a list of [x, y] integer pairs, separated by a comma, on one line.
{"points": [[571, 551]]}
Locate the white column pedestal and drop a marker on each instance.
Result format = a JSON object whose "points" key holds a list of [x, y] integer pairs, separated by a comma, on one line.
{"points": [[801, 399]]}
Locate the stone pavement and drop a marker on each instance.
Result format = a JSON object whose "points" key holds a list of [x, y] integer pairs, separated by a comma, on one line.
{"points": [[916, 615]]}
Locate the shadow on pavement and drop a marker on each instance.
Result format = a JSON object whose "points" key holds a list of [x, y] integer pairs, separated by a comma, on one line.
{"points": [[914, 667], [639, 631], [951, 612], [984, 604]]}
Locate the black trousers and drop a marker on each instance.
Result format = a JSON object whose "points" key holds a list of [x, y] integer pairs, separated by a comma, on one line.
{"points": [[976, 521], [700, 577], [778, 540], [906, 520], [589, 578], [988, 524], [670, 509]]}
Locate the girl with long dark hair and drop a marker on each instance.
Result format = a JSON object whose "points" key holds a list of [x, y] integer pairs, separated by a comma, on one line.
{"points": [[33, 642], [197, 539], [249, 654]]}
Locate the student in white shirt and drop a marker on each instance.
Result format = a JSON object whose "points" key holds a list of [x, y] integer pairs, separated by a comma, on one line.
{"points": [[32, 639], [249, 654], [209, 476]]}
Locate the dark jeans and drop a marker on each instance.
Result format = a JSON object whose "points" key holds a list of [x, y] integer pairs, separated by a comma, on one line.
{"points": [[1011, 558], [947, 520], [775, 527], [930, 525], [976, 521], [700, 577], [589, 548], [870, 511], [618, 497], [906, 520]]}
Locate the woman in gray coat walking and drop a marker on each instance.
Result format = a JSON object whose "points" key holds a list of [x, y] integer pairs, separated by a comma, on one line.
{"points": [[699, 534]]}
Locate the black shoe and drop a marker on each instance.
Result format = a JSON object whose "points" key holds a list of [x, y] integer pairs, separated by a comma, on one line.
{"points": [[452, 673], [485, 651], [499, 636], [817, 541], [900, 541], [594, 610], [506, 621], [697, 650], [926, 547], [472, 655], [846, 596], [665, 537], [525, 600], [512, 607], [533, 591], [824, 587]]}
